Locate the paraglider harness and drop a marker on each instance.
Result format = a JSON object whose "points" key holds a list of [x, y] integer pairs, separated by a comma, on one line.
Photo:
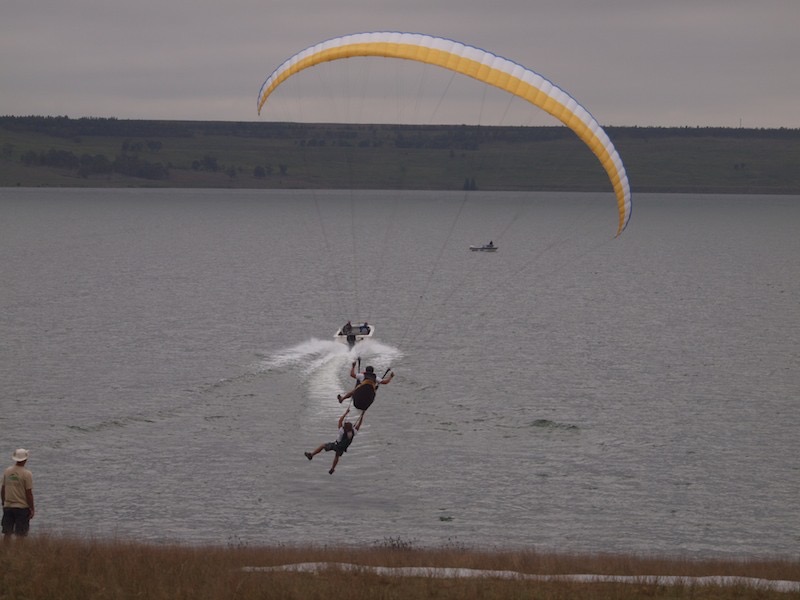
{"points": [[364, 393]]}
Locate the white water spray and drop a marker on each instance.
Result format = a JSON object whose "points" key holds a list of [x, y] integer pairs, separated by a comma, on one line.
{"points": [[325, 365]]}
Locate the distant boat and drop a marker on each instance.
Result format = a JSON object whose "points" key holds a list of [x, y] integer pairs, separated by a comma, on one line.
{"points": [[490, 247], [356, 333]]}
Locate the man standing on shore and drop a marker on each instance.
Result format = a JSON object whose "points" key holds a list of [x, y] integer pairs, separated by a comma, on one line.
{"points": [[16, 494]]}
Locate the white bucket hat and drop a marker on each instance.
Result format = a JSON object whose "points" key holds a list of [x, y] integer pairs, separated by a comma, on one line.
{"points": [[20, 455]]}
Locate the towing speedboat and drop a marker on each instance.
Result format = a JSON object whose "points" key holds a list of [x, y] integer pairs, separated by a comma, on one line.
{"points": [[350, 334]]}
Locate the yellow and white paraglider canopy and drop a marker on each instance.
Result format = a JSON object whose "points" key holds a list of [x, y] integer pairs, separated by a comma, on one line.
{"points": [[478, 64]]}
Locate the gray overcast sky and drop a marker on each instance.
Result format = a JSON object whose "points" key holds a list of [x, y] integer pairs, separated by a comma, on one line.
{"points": [[629, 62]]}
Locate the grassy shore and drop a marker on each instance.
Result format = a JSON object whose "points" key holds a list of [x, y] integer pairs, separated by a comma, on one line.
{"points": [[48, 567]]}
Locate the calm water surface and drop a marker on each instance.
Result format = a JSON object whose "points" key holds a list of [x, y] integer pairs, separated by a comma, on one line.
{"points": [[167, 357]]}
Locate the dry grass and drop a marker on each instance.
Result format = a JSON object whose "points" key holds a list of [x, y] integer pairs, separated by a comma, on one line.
{"points": [[44, 567]]}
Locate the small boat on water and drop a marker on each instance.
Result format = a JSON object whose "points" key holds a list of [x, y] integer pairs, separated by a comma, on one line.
{"points": [[490, 247], [350, 334]]}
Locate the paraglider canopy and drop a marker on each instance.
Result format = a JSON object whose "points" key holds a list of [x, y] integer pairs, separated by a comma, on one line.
{"points": [[480, 65]]}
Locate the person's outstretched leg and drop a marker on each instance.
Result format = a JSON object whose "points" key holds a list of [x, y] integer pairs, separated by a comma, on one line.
{"points": [[335, 462], [310, 455]]}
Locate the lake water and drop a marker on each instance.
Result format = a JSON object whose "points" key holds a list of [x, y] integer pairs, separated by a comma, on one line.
{"points": [[167, 357]]}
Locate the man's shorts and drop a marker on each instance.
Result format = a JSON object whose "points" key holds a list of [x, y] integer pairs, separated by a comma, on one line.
{"points": [[332, 446], [16, 521]]}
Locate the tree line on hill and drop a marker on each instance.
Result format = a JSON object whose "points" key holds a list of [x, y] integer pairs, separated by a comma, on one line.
{"points": [[62, 126], [134, 145], [96, 164]]}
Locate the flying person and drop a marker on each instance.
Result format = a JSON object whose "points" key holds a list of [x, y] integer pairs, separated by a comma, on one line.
{"points": [[347, 432], [367, 383]]}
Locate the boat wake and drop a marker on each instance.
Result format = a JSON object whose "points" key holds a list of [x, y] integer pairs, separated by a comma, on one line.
{"points": [[326, 364]]}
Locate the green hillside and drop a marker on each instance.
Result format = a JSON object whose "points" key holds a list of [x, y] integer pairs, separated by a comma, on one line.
{"points": [[58, 151]]}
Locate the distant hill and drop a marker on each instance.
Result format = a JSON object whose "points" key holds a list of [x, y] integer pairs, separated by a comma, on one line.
{"points": [[93, 152]]}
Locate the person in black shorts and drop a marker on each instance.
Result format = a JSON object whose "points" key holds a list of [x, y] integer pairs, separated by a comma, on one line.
{"points": [[347, 432]]}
